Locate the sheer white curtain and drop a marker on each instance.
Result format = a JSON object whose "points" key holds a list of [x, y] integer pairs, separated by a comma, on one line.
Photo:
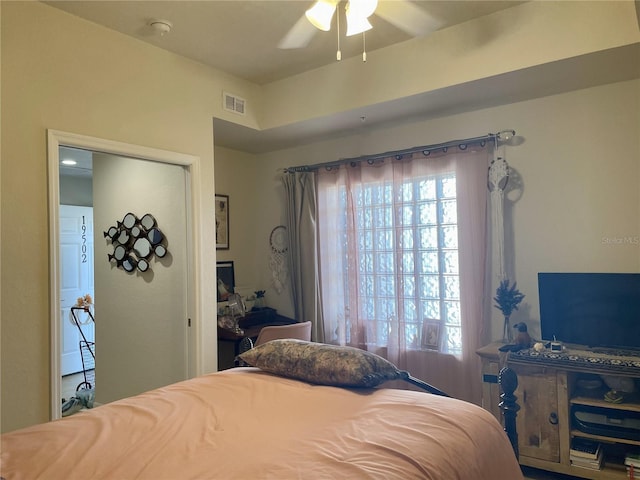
{"points": [[403, 254]]}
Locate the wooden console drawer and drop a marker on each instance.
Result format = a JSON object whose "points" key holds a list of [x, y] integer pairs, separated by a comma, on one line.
{"points": [[538, 419]]}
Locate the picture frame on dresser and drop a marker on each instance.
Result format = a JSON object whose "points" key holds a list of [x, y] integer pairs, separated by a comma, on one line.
{"points": [[431, 334], [222, 221]]}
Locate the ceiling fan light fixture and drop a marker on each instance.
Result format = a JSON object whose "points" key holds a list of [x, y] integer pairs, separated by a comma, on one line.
{"points": [[362, 8], [357, 25], [321, 14], [357, 13]]}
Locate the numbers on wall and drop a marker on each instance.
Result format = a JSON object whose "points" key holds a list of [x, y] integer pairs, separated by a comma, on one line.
{"points": [[83, 248]]}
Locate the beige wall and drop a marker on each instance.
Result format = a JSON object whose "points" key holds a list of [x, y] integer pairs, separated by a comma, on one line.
{"points": [[63, 73], [577, 171], [235, 176]]}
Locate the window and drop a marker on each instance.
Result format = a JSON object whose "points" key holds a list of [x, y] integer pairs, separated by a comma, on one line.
{"points": [[393, 255]]}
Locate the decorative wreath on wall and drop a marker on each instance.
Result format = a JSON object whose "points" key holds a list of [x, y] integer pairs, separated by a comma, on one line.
{"points": [[135, 242]]}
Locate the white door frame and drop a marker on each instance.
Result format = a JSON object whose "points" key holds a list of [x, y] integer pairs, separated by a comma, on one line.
{"points": [[195, 298]]}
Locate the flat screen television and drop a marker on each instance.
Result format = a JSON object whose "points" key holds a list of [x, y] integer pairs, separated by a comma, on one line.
{"points": [[591, 309]]}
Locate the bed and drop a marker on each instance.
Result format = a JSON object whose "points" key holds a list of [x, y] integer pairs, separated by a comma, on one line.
{"points": [[250, 422]]}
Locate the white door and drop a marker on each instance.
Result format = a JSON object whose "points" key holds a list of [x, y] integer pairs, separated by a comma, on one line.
{"points": [[76, 280]]}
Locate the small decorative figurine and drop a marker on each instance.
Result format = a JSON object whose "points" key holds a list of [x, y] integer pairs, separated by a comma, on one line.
{"points": [[523, 340]]}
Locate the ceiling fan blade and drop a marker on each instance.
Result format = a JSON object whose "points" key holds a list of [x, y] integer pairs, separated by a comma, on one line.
{"points": [[408, 17], [299, 36]]}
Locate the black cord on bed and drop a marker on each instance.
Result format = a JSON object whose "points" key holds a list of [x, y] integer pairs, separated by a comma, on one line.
{"points": [[423, 385]]}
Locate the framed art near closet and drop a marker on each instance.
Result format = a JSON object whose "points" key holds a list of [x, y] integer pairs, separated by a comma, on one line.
{"points": [[222, 222]]}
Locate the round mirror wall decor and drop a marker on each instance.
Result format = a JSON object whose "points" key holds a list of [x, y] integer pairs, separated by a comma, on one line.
{"points": [[112, 232], [143, 265], [155, 236], [148, 222], [142, 248], [129, 264], [135, 241], [160, 251], [129, 221]]}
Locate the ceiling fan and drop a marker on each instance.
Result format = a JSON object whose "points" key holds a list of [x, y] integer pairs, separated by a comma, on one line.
{"points": [[403, 14]]}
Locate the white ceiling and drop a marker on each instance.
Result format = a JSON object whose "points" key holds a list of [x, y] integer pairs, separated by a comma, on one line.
{"points": [[241, 37], [83, 166]]}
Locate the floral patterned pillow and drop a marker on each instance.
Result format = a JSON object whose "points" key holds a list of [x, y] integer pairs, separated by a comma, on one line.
{"points": [[321, 363]]}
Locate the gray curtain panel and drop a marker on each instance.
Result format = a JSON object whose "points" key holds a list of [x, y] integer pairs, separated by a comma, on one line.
{"points": [[301, 211]]}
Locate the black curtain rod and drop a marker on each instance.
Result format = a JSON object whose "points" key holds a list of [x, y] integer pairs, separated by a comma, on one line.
{"points": [[425, 150]]}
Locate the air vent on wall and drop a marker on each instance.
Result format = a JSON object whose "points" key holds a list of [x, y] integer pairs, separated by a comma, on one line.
{"points": [[233, 103]]}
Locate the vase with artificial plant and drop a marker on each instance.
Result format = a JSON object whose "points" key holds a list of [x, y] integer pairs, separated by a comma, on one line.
{"points": [[259, 303], [507, 300]]}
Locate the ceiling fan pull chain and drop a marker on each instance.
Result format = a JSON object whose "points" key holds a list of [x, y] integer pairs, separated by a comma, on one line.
{"points": [[364, 47], [338, 53]]}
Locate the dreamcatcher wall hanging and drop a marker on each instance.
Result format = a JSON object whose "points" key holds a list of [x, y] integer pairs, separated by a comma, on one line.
{"points": [[278, 262], [497, 179]]}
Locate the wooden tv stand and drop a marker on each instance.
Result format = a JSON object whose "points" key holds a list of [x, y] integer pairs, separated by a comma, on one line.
{"points": [[549, 384]]}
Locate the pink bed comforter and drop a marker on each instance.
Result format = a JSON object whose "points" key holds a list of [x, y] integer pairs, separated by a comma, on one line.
{"points": [[247, 424]]}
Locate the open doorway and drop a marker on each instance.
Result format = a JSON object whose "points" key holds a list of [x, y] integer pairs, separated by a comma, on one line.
{"points": [[77, 354], [77, 335], [146, 317]]}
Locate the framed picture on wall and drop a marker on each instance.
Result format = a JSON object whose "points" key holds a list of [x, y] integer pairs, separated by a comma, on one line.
{"points": [[226, 280], [222, 222]]}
